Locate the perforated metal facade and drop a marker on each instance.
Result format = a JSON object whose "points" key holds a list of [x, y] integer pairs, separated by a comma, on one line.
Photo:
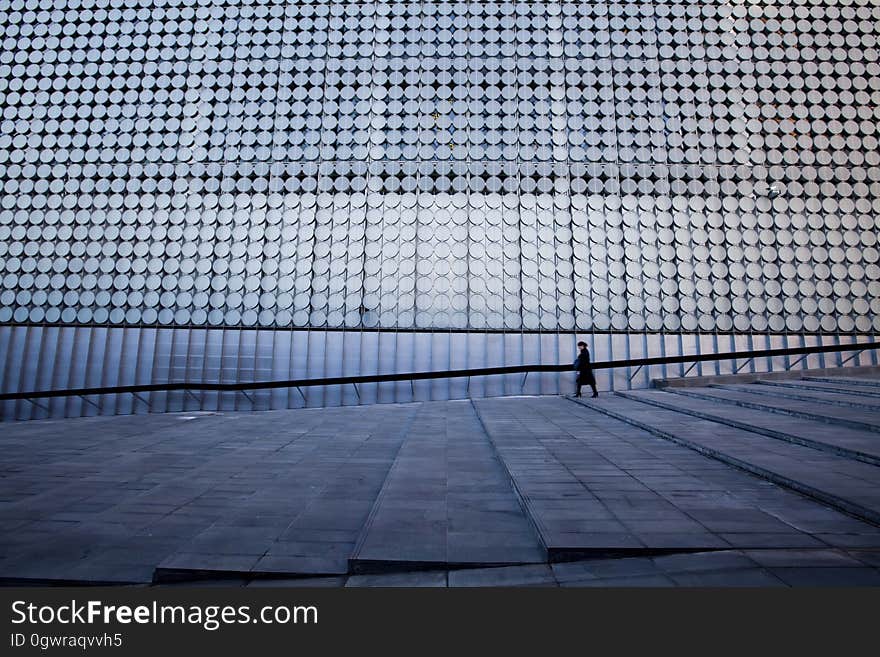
{"points": [[508, 171]]}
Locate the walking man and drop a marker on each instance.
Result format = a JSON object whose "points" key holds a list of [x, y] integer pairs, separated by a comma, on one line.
{"points": [[584, 370]]}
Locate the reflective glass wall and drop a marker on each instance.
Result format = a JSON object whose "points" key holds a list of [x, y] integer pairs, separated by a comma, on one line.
{"points": [[484, 181]]}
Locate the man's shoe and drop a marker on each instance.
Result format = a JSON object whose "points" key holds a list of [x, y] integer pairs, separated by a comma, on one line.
{"points": [[578, 395], [595, 394]]}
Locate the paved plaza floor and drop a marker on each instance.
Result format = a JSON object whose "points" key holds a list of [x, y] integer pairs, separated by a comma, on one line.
{"points": [[772, 483]]}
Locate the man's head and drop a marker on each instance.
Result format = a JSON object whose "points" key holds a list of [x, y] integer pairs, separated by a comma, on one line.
{"points": [[582, 345]]}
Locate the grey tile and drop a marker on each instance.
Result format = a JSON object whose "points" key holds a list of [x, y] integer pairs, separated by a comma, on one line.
{"points": [[746, 540], [662, 540], [867, 557], [587, 540], [828, 576], [804, 558], [293, 565], [860, 540], [494, 554], [309, 549], [704, 561], [201, 562], [98, 570], [531, 575], [754, 577], [414, 579], [639, 581], [604, 568], [221, 583], [300, 582]]}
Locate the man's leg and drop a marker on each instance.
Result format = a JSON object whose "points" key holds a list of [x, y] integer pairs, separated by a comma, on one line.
{"points": [[578, 384], [595, 392]]}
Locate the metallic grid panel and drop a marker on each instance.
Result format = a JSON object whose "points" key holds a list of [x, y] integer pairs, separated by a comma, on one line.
{"points": [[183, 178], [660, 166]]}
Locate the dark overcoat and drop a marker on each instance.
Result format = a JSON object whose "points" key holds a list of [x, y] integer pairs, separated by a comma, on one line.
{"points": [[584, 368]]}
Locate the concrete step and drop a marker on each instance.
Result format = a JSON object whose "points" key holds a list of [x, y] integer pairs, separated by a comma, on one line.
{"points": [[819, 386], [852, 418], [813, 396], [690, 381], [600, 486], [806, 393], [852, 381], [446, 502], [850, 486], [851, 443]]}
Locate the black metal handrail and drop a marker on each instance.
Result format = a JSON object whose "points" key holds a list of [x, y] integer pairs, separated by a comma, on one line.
{"points": [[445, 374]]}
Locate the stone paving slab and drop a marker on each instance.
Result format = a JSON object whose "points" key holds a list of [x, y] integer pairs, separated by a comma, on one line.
{"points": [[827, 576], [201, 491], [639, 581], [447, 500], [301, 582], [528, 575], [841, 482], [856, 418], [754, 577], [256, 498], [412, 579], [845, 441], [327, 497]]}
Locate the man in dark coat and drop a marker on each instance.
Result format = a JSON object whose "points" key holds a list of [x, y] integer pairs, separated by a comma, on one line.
{"points": [[584, 370]]}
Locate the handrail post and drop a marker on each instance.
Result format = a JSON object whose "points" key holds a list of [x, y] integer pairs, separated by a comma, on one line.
{"points": [[45, 408], [747, 361], [143, 400], [851, 357], [89, 401]]}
